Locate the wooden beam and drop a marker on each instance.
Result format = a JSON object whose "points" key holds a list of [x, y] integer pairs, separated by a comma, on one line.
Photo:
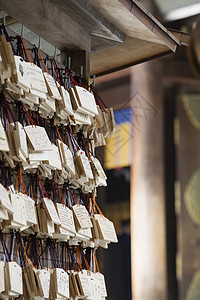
{"points": [[96, 22], [154, 25], [135, 21], [47, 20], [132, 52]]}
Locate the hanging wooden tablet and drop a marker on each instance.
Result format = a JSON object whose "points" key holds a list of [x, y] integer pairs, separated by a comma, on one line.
{"points": [[59, 286], [86, 233], [95, 232], [31, 282], [82, 216], [107, 121], [91, 281], [106, 228], [46, 226], [38, 156], [11, 142], [19, 210], [51, 86], [14, 277], [12, 90], [99, 119], [5, 200], [97, 287], [100, 277], [7, 59], [66, 157], [27, 292], [86, 100], [44, 276], [112, 117], [51, 211], [61, 233], [30, 99], [83, 283], [75, 103], [36, 93], [40, 291], [20, 142], [74, 286], [30, 211], [3, 139], [2, 277], [38, 138], [66, 102], [48, 105], [9, 161], [3, 214], [81, 118], [54, 161], [99, 174], [37, 81], [66, 217], [22, 73], [84, 164]]}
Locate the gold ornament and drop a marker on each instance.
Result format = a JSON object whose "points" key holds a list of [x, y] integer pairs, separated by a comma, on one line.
{"points": [[192, 106], [193, 292], [192, 197]]}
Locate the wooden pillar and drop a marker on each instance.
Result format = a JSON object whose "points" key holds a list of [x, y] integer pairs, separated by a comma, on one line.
{"points": [[148, 236]]}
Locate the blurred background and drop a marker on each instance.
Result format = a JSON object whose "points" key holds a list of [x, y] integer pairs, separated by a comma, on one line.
{"points": [[153, 167]]}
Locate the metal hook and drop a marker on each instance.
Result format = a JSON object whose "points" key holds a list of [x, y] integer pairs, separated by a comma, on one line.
{"points": [[22, 31], [46, 62], [39, 42], [69, 62], [94, 76], [4, 18], [81, 71], [55, 53]]}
